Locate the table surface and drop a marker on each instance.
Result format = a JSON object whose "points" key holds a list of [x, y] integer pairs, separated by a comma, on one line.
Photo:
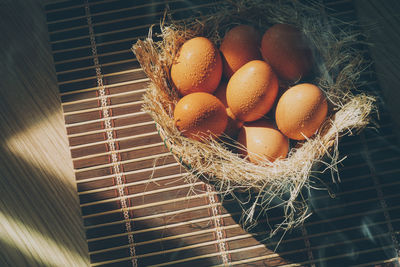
{"points": [[40, 219]]}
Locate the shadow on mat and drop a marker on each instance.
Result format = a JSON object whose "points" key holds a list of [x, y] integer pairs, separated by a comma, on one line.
{"points": [[357, 224]]}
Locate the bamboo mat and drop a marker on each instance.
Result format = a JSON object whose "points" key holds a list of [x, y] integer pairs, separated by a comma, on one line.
{"points": [[136, 208]]}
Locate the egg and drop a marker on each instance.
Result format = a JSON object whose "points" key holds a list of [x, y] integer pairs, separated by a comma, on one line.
{"points": [[284, 47], [197, 67], [200, 116], [252, 90], [262, 141], [233, 125], [240, 45], [300, 111]]}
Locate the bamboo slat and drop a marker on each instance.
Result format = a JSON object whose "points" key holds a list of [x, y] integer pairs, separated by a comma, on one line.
{"points": [[137, 206]]}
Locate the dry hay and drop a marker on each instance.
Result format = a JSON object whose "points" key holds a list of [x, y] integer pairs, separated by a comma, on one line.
{"points": [[282, 182]]}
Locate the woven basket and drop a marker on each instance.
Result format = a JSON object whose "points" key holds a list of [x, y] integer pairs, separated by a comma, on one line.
{"points": [[282, 183]]}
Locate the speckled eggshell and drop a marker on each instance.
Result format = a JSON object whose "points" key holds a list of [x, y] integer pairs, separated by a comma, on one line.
{"points": [[197, 67], [200, 116], [284, 47], [252, 90], [240, 45], [262, 141], [233, 125], [300, 111]]}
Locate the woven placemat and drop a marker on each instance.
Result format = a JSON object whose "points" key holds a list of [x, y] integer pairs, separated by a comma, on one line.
{"points": [[136, 207]]}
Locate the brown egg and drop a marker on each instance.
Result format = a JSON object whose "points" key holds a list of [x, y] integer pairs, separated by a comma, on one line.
{"points": [[197, 68], [301, 111], [200, 116], [233, 125], [284, 47], [252, 90], [262, 141], [240, 45]]}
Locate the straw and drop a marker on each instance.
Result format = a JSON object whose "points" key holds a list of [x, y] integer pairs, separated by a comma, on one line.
{"points": [[282, 184]]}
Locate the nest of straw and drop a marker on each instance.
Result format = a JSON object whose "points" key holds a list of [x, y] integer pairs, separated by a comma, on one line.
{"points": [[282, 183]]}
